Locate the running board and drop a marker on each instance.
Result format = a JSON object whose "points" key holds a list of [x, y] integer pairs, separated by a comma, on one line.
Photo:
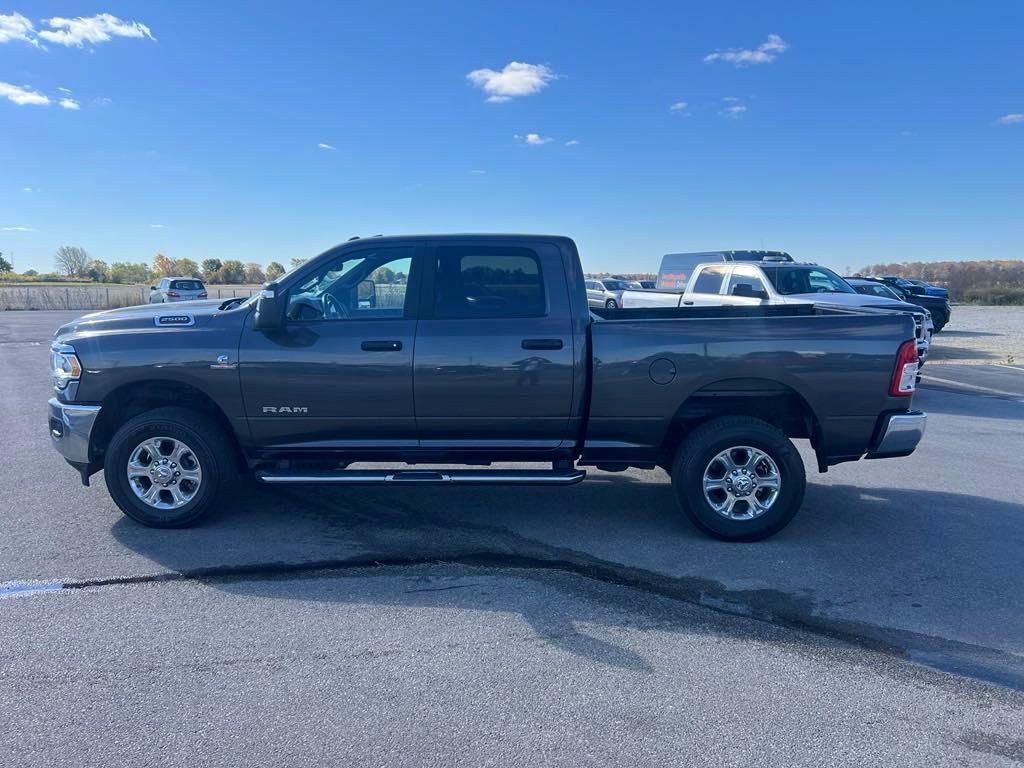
{"points": [[427, 477]]}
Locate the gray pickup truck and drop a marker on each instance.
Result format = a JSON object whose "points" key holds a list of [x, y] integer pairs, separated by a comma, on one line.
{"points": [[469, 351]]}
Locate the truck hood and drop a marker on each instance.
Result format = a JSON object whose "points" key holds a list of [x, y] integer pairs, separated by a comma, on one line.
{"points": [[180, 315], [853, 300]]}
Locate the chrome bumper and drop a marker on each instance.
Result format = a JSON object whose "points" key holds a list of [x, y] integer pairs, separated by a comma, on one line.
{"points": [[900, 435], [70, 428]]}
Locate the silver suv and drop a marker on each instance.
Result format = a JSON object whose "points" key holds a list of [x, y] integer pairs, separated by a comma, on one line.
{"points": [[177, 289], [606, 293]]}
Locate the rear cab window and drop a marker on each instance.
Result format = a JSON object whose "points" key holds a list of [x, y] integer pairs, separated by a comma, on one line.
{"points": [[482, 281]]}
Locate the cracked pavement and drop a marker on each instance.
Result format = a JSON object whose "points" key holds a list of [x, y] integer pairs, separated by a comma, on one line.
{"points": [[583, 625]]}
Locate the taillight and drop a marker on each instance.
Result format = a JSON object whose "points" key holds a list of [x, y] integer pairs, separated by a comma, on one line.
{"points": [[904, 376], [173, 295]]}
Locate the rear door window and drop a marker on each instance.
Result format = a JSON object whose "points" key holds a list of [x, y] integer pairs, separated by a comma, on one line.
{"points": [[186, 285], [709, 280], [479, 281]]}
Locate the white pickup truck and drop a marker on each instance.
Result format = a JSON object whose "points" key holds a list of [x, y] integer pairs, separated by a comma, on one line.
{"points": [[773, 282]]}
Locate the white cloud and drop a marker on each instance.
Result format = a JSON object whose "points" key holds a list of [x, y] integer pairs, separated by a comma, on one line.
{"points": [[533, 139], [93, 29], [101, 100], [14, 26], [158, 226], [22, 95], [572, 142], [477, 172], [1011, 119], [516, 79], [66, 91], [68, 103], [325, 146], [26, 189], [679, 106], [734, 111], [765, 53], [18, 229], [908, 133]]}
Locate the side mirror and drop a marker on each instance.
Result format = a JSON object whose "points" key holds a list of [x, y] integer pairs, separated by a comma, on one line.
{"points": [[269, 309], [917, 290], [152, 287], [366, 294], [747, 292]]}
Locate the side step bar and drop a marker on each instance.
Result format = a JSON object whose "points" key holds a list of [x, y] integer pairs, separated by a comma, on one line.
{"points": [[428, 477]]}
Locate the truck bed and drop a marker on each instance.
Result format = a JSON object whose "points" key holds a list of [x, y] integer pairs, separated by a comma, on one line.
{"points": [[646, 361]]}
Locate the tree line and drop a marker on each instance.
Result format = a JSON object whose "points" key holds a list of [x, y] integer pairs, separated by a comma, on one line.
{"points": [[73, 262], [981, 282]]}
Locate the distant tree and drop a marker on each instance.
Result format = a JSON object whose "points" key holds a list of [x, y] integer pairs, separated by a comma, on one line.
{"points": [[186, 268], [254, 274], [5, 265], [274, 270], [231, 272], [71, 260], [163, 266], [97, 271], [383, 275], [210, 267], [30, 273], [298, 262], [124, 272]]}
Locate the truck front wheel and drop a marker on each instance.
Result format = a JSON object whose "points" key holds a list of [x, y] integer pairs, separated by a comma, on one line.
{"points": [[168, 467], [738, 478]]}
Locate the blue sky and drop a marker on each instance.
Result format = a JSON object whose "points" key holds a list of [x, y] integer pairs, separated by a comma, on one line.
{"points": [[868, 131]]}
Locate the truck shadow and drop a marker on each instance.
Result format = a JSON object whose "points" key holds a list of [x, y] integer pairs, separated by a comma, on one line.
{"points": [[892, 567]]}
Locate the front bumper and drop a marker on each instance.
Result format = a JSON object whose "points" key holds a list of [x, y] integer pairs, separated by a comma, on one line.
{"points": [[71, 428], [899, 435]]}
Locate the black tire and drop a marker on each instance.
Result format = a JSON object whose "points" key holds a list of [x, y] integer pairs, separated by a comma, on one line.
{"points": [[705, 443], [212, 448], [611, 304], [939, 326]]}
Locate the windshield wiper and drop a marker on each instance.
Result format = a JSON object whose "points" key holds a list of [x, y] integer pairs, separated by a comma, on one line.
{"points": [[232, 302]]}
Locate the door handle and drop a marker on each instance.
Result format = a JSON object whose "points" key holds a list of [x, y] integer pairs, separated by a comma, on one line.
{"points": [[688, 303], [381, 346], [542, 343]]}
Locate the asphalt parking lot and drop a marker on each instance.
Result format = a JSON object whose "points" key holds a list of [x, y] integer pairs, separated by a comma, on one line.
{"points": [[576, 626]]}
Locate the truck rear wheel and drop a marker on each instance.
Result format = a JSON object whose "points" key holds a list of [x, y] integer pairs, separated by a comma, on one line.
{"points": [[168, 467], [738, 478]]}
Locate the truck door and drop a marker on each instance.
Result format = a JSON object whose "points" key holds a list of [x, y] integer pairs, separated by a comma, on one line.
{"points": [[705, 287], [494, 348], [338, 374]]}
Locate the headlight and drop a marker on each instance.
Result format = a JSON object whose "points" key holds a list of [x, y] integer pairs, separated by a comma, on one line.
{"points": [[64, 365]]}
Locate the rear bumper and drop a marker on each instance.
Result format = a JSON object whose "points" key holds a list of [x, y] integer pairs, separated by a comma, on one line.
{"points": [[71, 429], [899, 435]]}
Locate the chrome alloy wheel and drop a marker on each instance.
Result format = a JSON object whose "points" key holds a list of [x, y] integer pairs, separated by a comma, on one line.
{"points": [[164, 472], [741, 483]]}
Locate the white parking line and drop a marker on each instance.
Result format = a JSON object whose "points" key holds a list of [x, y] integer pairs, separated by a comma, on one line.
{"points": [[986, 390], [1011, 367]]}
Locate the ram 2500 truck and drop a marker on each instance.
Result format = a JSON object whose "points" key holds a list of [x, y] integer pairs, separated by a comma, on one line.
{"points": [[467, 351]]}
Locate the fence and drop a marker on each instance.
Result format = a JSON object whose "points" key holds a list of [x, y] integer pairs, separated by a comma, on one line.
{"points": [[96, 296]]}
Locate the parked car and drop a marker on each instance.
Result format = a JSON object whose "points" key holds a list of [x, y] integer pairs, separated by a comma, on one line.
{"points": [[775, 282], [939, 308], [491, 356], [676, 268], [879, 289], [648, 284], [177, 289], [929, 289], [606, 293]]}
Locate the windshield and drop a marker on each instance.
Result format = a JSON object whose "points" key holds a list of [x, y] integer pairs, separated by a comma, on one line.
{"points": [[791, 280], [615, 285]]}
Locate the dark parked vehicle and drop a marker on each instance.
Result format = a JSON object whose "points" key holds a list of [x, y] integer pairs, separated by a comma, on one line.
{"points": [[915, 286], [468, 350], [940, 309], [648, 285]]}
